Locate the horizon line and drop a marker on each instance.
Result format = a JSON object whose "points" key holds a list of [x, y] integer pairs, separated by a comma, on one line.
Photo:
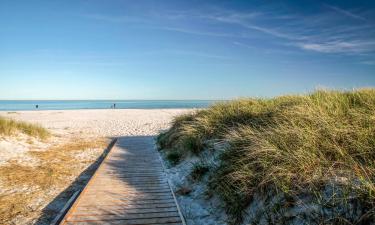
{"points": [[115, 99]]}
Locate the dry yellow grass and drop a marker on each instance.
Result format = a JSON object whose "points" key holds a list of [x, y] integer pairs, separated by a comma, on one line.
{"points": [[12, 205], [56, 165]]}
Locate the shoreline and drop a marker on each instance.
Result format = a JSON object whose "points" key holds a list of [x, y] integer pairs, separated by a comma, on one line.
{"points": [[89, 109], [96, 105]]}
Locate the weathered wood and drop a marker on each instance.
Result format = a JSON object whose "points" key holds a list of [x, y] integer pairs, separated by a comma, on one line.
{"points": [[124, 216], [162, 221], [128, 206], [129, 194], [145, 202], [90, 211], [63, 211], [129, 188]]}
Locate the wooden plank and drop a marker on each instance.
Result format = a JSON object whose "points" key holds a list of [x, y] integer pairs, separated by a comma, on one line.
{"points": [[130, 194], [89, 211], [121, 176], [149, 221], [126, 181], [136, 181], [119, 223], [127, 197], [128, 206], [86, 202], [105, 200], [138, 186], [145, 202], [125, 192], [129, 187], [126, 174], [123, 216]]}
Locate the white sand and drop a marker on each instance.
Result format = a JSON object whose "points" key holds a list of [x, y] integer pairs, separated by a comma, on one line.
{"points": [[68, 124], [102, 122]]}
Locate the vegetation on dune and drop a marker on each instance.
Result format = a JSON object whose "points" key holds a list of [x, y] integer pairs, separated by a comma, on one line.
{"points": [[10, 127], [288, 144]]}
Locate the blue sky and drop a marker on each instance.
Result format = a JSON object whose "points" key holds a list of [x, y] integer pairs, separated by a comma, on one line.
{"points": [[170, 49]]}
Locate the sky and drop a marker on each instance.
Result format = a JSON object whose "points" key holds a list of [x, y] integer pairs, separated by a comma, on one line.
{"points": [[193, 49]]}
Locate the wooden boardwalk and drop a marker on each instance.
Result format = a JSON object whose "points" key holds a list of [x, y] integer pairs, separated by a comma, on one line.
{"points": [[129, 187]]}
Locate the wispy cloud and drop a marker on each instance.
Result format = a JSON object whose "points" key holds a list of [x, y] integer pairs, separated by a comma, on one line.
{"points": [[319, 32], [244, 20], [346, 13], [197, 32], [340, 46]]}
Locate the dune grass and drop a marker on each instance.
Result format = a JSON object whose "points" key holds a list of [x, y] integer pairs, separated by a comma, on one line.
{"points": [[288, 144], [11, 127]]}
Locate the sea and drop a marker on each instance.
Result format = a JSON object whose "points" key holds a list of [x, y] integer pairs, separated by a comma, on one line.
{"points": [[25, 105]]}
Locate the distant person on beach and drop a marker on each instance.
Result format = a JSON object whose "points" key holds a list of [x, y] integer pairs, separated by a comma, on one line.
{"points": [[114, 106], [36, 106]]}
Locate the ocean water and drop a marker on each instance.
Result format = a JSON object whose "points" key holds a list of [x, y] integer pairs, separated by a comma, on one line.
{"points": [[18, 105]]}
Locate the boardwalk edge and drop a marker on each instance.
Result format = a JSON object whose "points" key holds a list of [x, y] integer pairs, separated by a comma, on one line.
{"points": [[170, 187], [69, 206]]}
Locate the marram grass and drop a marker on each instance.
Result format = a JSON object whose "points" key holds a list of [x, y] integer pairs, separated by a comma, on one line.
{"points": [[288, 144], [10, 127]]}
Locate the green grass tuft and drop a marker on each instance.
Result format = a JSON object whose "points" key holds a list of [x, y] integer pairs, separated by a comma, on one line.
{"points": [[289, 144], [10, 127]]}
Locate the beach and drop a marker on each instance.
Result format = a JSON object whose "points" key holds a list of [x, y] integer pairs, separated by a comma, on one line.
{"points": [[49, 171], [100, 122]]}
